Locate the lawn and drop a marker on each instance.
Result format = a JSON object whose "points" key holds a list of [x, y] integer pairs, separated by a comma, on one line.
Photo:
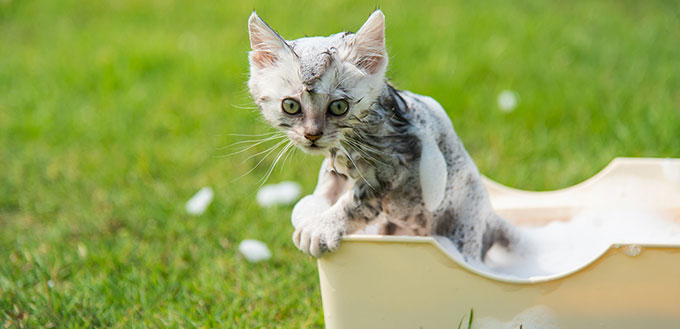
{"points": [[113, 113]]}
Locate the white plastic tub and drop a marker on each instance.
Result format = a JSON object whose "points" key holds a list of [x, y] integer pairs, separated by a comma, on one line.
{"points": [[412, 282]]}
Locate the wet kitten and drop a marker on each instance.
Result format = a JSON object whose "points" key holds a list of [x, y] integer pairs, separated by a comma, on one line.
{"points": [[390, 156]]}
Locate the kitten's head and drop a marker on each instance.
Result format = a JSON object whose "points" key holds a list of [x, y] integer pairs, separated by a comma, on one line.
{"points": [[315, 88]]}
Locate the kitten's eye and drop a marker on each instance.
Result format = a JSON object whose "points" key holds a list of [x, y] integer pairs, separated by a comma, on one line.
{"points": [[290, 106], [338, 107]]}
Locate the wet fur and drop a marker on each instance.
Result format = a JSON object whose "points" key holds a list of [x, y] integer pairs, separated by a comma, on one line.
{"points": [[373, 155]]}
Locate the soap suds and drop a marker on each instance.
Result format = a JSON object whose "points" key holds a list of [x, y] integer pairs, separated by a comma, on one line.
{"points": [[432, 173], [198, 203], [562, 247], [534, 317], [507, 100], [254, 250], [276, 194], [670, 171]]}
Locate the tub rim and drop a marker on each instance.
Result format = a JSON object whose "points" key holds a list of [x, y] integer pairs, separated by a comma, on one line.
{"points": [[610, 169]]}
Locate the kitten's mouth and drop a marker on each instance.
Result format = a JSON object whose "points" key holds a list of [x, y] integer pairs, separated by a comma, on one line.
{"points": [[314, 148]]}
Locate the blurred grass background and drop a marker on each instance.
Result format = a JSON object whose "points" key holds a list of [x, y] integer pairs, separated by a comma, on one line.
{"points": [[113, 113]]}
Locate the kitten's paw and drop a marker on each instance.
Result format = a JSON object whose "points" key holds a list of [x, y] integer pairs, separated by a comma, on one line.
{"points": [[317, 236]]}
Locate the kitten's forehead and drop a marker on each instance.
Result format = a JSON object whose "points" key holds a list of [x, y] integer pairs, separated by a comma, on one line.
{"points": [[316, 55]]}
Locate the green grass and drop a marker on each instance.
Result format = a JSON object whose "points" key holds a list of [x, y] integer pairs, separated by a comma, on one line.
{"points": [[112, 114], [470, 317]]}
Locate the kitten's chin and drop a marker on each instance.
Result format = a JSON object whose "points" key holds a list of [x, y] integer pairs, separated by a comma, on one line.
{"points": [[314, 149]]}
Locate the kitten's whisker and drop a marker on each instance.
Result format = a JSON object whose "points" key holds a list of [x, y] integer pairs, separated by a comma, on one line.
{"points": [[376, 151], [244, 149], [274, 131], [358, 140], [371, 159], [342, 148], [281, 135], [364, 151], [283, 164], [376, 135], [269, 150], [246, 107], [361, 154], [258, 141], [247, 147], [278, 157], [373, 148], [256, 135]]}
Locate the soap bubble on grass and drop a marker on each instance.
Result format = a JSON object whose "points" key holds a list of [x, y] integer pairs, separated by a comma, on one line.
{"points": [[82, 250], [283, 193], [198, 203], [507, 100], [254, 250]]}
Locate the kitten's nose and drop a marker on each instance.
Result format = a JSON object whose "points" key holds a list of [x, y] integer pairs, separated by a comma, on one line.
{"points": [[313, 137]]}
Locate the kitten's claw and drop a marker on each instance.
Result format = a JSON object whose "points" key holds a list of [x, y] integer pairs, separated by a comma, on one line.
{"points": [[315, 247], [316, 237], [296, 237], [304, 241]]}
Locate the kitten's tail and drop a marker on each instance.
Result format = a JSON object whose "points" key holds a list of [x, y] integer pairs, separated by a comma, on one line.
{"points": [[499, 231]]}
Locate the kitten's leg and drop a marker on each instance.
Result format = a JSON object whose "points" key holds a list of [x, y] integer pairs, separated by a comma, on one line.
{"points": [[322, 232], [328, 189], [498, 231], [331, 184]]}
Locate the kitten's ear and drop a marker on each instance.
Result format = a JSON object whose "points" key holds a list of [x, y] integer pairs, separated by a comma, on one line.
{"points": [[368, 45], [267, 45]]}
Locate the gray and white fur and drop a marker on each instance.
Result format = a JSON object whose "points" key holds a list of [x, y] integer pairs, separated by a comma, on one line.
{"points": [[391, 157]]}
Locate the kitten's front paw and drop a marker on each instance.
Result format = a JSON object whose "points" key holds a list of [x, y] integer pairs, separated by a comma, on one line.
{"points": [[317, 236]]}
